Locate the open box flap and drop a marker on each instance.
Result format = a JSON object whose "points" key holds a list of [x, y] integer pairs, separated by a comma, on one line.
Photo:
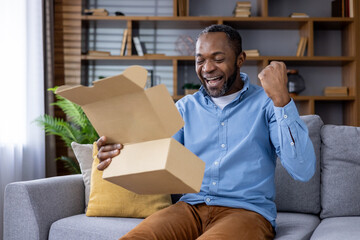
{"points": [[163, 105], [133, 79], [121, 110]]}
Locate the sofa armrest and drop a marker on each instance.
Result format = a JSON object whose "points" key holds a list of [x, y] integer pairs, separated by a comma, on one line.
{"points": [[30, 207]]}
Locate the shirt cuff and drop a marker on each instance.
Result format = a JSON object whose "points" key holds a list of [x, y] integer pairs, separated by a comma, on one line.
{"points": [[287, 114]]}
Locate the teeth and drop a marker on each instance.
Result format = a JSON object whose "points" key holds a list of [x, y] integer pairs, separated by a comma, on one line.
{"points": [[212, 83], [210, 79]]}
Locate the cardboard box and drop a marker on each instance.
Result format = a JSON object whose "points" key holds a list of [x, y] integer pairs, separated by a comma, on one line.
{"points": [[151, 162]]}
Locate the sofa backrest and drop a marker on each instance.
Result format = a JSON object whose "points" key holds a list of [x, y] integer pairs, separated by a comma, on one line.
{"points": [[296, 196], [340, 166]]}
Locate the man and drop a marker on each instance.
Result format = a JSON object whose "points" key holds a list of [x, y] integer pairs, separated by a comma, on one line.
{"points": [[237, 128]]}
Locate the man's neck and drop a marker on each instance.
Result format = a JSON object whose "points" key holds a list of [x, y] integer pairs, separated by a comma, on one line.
{"points": [[236, 87]]}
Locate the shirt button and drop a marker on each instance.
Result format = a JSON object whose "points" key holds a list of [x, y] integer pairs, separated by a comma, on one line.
{"points": [[222, 124], [285, 116], [214, 183], [292, 143], [222, 145], [208, 200], [216, 163]]}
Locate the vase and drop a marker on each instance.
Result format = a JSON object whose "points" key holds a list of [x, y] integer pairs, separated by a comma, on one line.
{"points": [[296, 83]]}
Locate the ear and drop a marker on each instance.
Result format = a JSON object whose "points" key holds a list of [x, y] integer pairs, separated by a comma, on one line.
{"points": [[241, 59]]}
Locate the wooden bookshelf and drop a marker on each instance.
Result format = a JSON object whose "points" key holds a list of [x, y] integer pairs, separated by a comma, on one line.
{"points": [[347, 59]]}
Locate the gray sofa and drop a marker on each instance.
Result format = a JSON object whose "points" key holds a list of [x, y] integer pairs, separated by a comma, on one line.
{"points": [[326, 207]]}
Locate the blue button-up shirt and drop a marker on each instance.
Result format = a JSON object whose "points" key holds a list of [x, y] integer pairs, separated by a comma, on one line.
{"points": [[239, 145]]}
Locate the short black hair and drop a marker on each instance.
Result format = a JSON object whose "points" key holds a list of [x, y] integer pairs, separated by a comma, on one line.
{"points": [[231, 33]]}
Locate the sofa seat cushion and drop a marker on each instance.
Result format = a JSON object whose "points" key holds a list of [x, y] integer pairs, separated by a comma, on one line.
{"points": [[91, 228], [295, 226], [344, 228]]}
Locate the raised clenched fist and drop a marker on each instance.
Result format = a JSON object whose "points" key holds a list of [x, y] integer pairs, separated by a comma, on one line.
{"points": [[273, 79]]}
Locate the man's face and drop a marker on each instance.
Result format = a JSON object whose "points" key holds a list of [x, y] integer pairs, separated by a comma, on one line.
{"points": [[216, 64]]}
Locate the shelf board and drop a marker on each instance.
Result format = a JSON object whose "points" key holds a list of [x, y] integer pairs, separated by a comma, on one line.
{"points": [[306, 98], [290, 60], [324, 98], [313, 61], [215, 18], [238, 22], [260, 58], [150, 57]]}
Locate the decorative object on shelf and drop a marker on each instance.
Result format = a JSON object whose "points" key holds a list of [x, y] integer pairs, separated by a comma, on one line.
{"points": [[242, 9], [118, 13], [296, 83], [185, 45], [191, 88], [299, 15], [96, 12], [336, 91], [252, 53], [77, 128], [300, 52]]}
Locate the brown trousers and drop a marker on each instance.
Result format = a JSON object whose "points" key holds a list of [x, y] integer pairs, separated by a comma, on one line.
{"points": [[183, 221]]}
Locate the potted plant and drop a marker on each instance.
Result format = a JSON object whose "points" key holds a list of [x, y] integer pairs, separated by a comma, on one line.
{"points": [[191, 88], [77, 128]]}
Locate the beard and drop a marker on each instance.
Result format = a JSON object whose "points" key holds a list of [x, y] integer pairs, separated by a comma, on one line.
{"points": [[225, 87]]}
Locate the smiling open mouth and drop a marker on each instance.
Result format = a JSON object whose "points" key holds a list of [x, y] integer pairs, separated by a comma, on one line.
{"points": [[213, 81]]}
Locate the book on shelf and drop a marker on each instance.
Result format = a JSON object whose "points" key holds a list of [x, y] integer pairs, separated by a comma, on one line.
{"points": [[96, 12], [138, 46], [351, 8], [123, 43], [252, 53], [300, 52], [243, 4], [299, 15], [336, 91], [242, 15], [242, 9], [98, 53], [182, 7], [346, 5], [303, 47], [342, 8], [337, 8]]}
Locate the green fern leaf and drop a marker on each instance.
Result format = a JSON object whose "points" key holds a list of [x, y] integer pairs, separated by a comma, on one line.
{"points": [[56, 126], [73, 111], [70, 164]]}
